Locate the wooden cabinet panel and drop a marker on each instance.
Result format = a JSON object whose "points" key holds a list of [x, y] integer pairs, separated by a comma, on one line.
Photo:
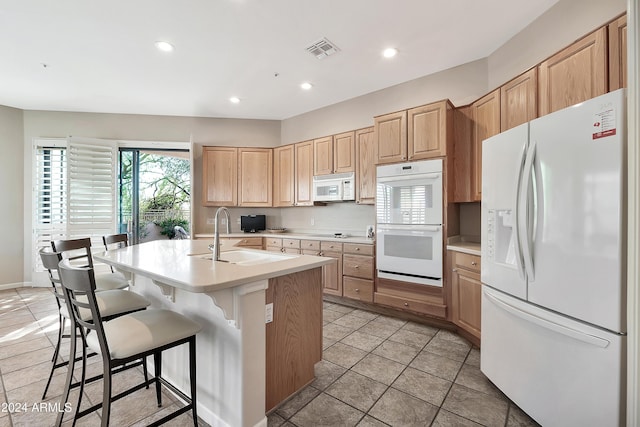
{"points": [[283, 176], [466, 292], [332, 274], [273, 244], [462, 160], [310, 245], [323, 156], [486, 123], [518, 100], [358, 249], [255, 176], [344, 152], [291, 243], [327, 246], [574, 74], [357, 266], [304, 173], [365, 166], [358, 289], [391, 137], [427, 131], [219, 176], [618, 53]]}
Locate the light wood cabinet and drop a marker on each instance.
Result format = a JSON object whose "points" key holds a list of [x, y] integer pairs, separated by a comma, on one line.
{"points": [[428, 128], [323, 156], [284, 176], [518, 100], [466, 291], [462, 154], [332, 273], [486, 123], [391, 137], [365, 166], [219, 176], [618, 53], [410, 297], [246, 242], [304, 173], [255, 181], [575, 74]]}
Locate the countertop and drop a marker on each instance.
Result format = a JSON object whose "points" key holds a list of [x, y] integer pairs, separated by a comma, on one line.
{"points": [[302, 236], [461, 244], [177, 263]]}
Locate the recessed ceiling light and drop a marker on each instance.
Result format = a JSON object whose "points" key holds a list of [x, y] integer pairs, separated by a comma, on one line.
{"points": [[164, 46], [234, 99], [390, 52], [306, 85]]}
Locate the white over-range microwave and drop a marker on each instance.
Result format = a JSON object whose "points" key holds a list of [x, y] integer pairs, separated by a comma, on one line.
{"points": [[334, 188]]}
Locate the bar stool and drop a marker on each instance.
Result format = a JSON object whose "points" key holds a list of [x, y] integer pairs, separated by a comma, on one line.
{"points": [[79, 251], [112, 303], [115, 241], [124, 339]]}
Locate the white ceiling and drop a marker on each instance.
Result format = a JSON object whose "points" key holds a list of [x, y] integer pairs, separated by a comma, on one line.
{"points": [[100, 55]]}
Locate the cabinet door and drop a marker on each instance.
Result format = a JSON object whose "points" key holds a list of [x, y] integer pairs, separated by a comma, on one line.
{"points": [[427, 127], [344, 152], [283, 176], [462, 157], [365, 166], [304, 173], [467, 296], [332, 274], [618, 53], [391, 137], [574, 74], [518, 100], [256, 176], [486, 123], [219, 176], [323, 156]]}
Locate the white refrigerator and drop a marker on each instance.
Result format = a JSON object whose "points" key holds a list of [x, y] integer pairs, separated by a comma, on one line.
{"points": [[554, 261]]}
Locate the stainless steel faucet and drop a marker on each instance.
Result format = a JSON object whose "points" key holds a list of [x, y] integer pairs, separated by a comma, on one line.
{"points": [[216, 235]]}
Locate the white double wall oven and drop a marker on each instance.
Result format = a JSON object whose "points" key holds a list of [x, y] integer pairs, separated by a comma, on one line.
{"points": [[409, 222]]}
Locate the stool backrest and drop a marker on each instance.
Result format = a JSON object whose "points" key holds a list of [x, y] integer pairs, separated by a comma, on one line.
{"points": [[76, 250], [79, 285], [50, 260], [114, 241]]}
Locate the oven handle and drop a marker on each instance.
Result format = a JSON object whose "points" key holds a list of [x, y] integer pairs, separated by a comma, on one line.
{"points": [[434, 175]]}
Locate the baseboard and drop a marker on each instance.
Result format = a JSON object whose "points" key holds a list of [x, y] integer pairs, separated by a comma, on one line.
{"points": [[14, 286]]}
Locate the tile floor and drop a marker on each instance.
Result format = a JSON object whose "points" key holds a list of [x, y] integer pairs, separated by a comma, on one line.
{"points": [[376, 371]]}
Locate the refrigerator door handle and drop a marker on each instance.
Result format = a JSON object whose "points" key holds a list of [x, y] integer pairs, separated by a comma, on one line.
{"points": [[519, 259], [547, 324], [523, 210]]}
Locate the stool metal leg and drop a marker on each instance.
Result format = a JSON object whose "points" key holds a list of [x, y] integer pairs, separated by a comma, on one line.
{"points": [[67, 386], [157, 365], [192, 378], [56, 352]]}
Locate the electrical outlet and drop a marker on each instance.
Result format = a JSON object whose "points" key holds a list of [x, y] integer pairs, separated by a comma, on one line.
{"points": [[211, 221], [223, 221], [313, 221], [238, 221], [268, 313]]}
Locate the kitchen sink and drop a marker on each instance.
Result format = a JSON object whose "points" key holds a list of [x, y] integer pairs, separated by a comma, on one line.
{"points": [[244, 257]]}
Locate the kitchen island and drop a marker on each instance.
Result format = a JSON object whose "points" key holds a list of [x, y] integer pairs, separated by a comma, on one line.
{"points": [[244, 368]]}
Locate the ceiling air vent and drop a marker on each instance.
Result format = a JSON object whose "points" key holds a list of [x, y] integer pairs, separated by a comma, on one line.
{"points": [[322, 48]]}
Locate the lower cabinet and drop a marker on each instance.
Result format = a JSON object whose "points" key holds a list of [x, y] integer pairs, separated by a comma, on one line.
{"points": [[466, 292], [358, 272], [410, 297], [332, 273]]}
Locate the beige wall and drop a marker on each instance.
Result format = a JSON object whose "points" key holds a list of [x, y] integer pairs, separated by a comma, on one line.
{"points": [[11, 200]]}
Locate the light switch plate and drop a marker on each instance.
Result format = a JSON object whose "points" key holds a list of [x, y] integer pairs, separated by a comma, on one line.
{"points": [[268, 313]]}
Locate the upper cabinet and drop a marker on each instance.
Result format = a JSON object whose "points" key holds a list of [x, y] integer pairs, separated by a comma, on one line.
{"points": [[304, 173], [365, 166], [485, 113], [255, 176], [334, 154], [219, 176], [462, 161], [416, 134], [618, 53], [391, 137], [283, 176], [427, 130], [518, 100], [574, 74]]}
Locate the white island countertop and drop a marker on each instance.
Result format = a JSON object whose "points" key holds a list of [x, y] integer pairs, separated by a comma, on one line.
{"points": [[178, 263]]}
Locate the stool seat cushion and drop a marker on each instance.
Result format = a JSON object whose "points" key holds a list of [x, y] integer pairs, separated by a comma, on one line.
{"points": [[115, 301], [109, 281], [142, 331]]}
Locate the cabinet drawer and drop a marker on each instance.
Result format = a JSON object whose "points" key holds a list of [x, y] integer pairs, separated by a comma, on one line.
{"points": [[467, 261], [310, 252], [353, 248], [274, 242], [330, 246], [250, 241], [291, 250], [424, 307], [291, 243], [310, 245], [359, 289], [358, 266]]}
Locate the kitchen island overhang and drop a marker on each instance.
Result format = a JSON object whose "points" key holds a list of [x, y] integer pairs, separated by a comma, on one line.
{"points": [[229, 300]]}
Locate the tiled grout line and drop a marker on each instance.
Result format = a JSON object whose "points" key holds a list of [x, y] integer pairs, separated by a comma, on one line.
{"points": [[6, 399]]}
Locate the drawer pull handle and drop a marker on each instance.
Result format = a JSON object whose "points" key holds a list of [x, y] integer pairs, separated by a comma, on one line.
{"points": [[356, 266], [357, 249], [357, 290], [406, 304], [474, 263]]}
